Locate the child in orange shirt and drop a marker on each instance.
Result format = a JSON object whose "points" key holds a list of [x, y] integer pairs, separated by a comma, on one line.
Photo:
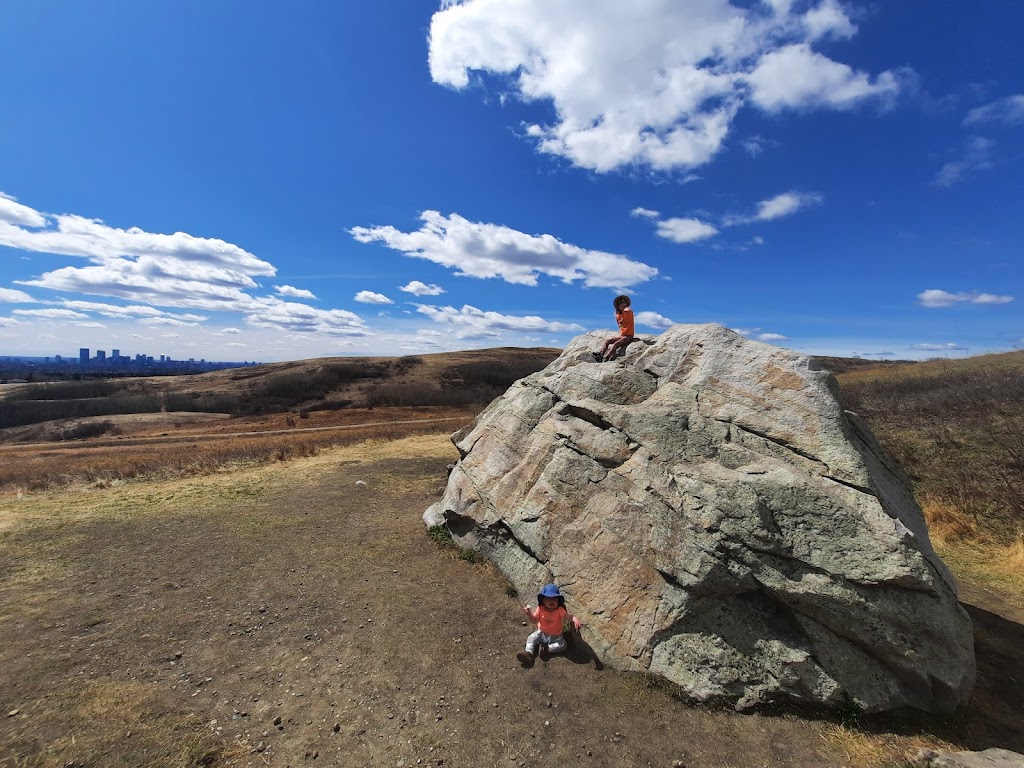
{"points": [[549, 617], [624, 319]]}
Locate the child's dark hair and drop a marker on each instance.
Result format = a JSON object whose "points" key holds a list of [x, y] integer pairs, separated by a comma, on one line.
{"points": [[620, 302]]}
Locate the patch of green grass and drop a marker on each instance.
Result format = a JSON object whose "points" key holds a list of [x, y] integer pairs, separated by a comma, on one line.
{"points": [[440, 536]]}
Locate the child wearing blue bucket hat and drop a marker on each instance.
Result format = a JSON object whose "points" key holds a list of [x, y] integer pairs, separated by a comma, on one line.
{"points": [[550, 616]]}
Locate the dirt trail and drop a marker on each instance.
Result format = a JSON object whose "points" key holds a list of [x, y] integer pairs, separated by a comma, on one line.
{"points": [[298, 615]]}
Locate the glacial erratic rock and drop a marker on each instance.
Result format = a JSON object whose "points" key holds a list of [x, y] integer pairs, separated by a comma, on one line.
{"points": [[715, 517]]}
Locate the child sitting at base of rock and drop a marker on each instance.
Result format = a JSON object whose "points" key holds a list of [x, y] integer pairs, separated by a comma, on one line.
{"points": [[549, 616]]}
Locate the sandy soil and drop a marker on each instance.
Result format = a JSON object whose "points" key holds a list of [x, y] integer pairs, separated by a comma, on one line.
{"points": [[298, 614]]}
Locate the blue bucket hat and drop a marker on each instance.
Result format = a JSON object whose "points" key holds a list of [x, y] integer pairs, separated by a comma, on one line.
{"points": [[550, 590]]}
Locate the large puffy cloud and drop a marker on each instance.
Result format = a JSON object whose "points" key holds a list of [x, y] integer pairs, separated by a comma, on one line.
{"points": [[651, 82], [476, 249], [934, 298], [476, 323]]}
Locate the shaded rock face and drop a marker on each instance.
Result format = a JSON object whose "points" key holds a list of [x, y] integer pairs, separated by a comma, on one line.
{"points": [[715, 517]]}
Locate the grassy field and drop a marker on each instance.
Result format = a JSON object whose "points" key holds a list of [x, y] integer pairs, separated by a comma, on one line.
{"points": [[957, 428], [187, 589]]}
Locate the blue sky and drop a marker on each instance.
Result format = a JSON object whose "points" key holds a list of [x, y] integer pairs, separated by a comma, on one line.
{"points": [[270, 181]]}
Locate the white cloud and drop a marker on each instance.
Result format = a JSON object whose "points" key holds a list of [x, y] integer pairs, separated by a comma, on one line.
{"points": [[1009, 110], [976, 155], [475, 249], [8, 322], [231, 330], [369, 297], [476, 320], [297, 293], [179, 255], [796, 77], [935, 298], [948, 347], [301, 318], [171, 321], [646, 213], [754, 145], [416, 288], [51, 314], [653, 320], [13, 212], [685, 230], [12, 296], [756, 334], [653, 83], [785, 204]]}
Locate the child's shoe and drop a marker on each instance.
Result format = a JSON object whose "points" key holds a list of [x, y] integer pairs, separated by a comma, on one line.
{"points": [[526, 658]]}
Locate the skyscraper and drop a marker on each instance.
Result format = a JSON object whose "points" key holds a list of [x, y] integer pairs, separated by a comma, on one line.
{"points": [[83, 356]]}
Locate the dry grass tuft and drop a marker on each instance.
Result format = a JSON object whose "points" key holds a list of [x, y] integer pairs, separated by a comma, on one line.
{"points": [[875, 750], [947, 524]]}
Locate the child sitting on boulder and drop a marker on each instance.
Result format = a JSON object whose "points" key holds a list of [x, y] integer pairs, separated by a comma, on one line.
{"points": [[624, 319], [549, 617]]}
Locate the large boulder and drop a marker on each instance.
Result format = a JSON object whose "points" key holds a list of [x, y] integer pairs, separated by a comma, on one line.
{"points": [[715, 517]]}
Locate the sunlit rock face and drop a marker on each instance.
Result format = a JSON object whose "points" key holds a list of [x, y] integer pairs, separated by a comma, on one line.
{"points": [[715, 517]]}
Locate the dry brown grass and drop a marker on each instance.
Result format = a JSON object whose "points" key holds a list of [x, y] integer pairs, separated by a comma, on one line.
{"points": [[875, 750], [102, 462]]}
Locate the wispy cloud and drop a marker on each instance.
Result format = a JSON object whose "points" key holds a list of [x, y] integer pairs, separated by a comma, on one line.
{"points": [[673, 75], [476, 249], [757, 334], [976, 155], [691, 230], [51, 314], [934, 298], [1009, 111], [416, 288], [947, 347], [471, 320], [785, 204]]}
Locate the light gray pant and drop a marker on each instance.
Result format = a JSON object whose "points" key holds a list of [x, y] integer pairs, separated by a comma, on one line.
{"points": [[555, 643]]}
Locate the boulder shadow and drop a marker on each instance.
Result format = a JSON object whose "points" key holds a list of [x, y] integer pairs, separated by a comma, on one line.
{"points": [[580, 652]]}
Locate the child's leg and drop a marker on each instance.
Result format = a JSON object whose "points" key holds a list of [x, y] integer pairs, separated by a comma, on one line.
{"points": [[621, 343], [533, 641], [608, 350], [556, 644]]}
